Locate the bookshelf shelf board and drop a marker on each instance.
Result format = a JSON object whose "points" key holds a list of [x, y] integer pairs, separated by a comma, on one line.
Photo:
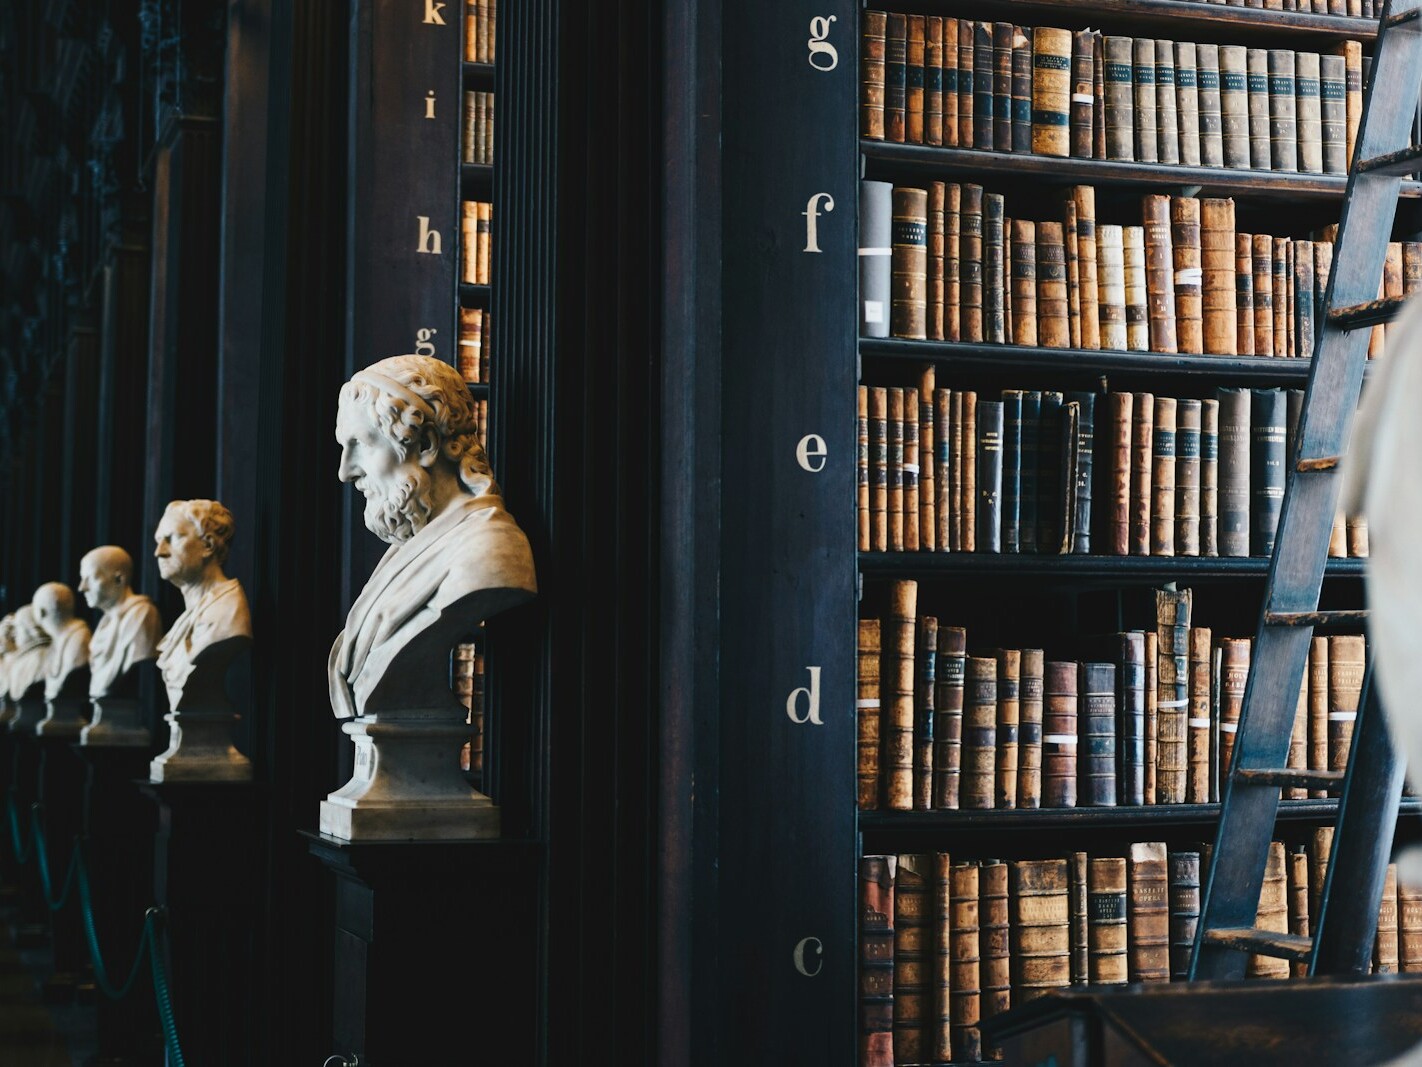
{"points": [[1116, 569], [1232, 369], [481, 75], [1181, 19], [886, 160], [476, 181], [479, 390], [474, 296]]}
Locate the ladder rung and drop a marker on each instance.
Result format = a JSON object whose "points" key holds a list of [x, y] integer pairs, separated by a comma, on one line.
{"points": [[1373, 313], [1288, 776], [1318, 463], [1314, 618], [1402, 17], [1265, 942], [1403, 161]]}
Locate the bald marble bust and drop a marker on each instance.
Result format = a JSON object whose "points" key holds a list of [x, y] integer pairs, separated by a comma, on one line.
{"points": [[68, 636], [130, 627]]}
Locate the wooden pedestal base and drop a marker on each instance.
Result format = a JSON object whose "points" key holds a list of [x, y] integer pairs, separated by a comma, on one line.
{"points": [[200, 749], [61, 778]]}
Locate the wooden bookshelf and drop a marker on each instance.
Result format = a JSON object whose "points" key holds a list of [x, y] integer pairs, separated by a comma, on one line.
{"points": [[1039, 566], [478, 75], [475, 296]]}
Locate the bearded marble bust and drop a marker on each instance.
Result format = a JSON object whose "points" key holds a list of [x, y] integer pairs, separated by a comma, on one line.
{"points": [[129, 629], [406, 429]]}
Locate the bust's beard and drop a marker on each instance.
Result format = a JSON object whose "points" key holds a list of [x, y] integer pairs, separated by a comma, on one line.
{"points": [[404, 510]]}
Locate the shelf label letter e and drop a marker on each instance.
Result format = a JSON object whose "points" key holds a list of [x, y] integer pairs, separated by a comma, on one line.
{"points": [[810, 453], [811, 694], [815, 945], [823, 55], [811, 213]]}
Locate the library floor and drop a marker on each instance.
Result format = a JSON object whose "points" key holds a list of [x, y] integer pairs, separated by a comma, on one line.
{"points": [[31, 1033]]}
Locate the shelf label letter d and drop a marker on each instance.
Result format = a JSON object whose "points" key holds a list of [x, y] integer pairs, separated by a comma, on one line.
{"points": [[811, 693]]}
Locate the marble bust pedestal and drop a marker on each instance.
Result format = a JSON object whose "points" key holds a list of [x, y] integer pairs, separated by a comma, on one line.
{"points": [[200, 747], [30, 709], [117, 719], [67, 711]]}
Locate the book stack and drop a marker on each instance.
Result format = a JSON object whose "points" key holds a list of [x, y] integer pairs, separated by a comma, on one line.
{"points": [[476, 226], [468, 671], [952, 470], [1132, 718], [480, 30], [474, 344], [1368, 9], [995, 86], [948, 941], [478, 131]]}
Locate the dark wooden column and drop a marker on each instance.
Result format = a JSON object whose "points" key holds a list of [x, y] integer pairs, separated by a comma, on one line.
{"points": [[79, 510]]}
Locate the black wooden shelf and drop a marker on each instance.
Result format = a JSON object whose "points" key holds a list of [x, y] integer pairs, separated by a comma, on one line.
{"points": [[478, 390], [885, 158], [1254, 369], [474, 296], [1116, 569], [481, 75], [476, 181], [1202, 21]]}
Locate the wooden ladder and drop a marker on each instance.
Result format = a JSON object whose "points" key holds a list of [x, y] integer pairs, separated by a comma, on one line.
{"points": [[1372, 784]]}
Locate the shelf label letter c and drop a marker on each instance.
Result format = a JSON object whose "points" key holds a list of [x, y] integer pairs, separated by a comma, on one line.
{"points": [[811, 213], [815, 945], [811, 693], [819, 44]]}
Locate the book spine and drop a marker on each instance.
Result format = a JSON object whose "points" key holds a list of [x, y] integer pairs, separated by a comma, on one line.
{"points": [[1167, 122], [1235, 675], [1065, 522], [952, 262], [876, 960], [862, 468], [989, 479], [1172, 693], [896, 469], [1118, 430], [1409, 928], [1318, 709], [1040, 927], [1084, 197], [1002, 34], [1352, 53], [970, 470], [896, 688], [910, 962], [911, 470], [1082, 93], [1098, 92], [1209, 477], [965, 1003], [1385, 942], [1263, 258], [1234, 105], [933, 80], [1077, 920], [1142, 468], [895, 77], [1188, 275], [1024, 282], [1199, 725], [1072, 274], [1272, 914], [1283, 107], [994, 273], [949, 676], [1053, 329], [928, 460], [879, 468], [1049, 473], [1318, 853], [1152, 714], [1022, 89], [1097, 715], [1345, 687], [1207, 60], [1188, 102], [941, 980], [1106, 920], [1134, 264], [1160, 273], [1282, 304], [871, 75], [1333, 113], [1148, 913], [955, 497], [984, 117], [994, 944], [1219, 313], [1118, 86], [1085, 463], [924, 691], [908, 314], [1029, 730], [1051, 91], [1011, 525], [1059, 735], [979, 734], [1031, 462], [944, 446], [950, 82], [1296, 862], [1187, 477], [967, 135], [1266, 475], [867, 714], [1298, 740], [937, 259], [970, 263], [1112, 287], [1143, 75], [1184, 910], [1162, 505], [1131, 687], [1257, 88], [1304, 299], [1308, 104], [913, 80], [1244, 293]]}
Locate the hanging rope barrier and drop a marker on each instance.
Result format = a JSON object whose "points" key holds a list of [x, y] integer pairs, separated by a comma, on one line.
{"points": [[152, 939]]}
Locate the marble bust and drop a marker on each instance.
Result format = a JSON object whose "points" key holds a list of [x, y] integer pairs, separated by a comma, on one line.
{"points": [[406, 430], [66, 665], [128, 631], [26, 669], [7, 652]]}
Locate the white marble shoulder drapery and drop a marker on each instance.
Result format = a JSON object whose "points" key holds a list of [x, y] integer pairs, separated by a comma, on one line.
{"points": [[126, 635], [68, 653], [220, 614]]}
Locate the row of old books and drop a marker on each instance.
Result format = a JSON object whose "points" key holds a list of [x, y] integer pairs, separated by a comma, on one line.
{"points": [[478, 128], [1148, 717], [476, 241], [1056, 92], [947, 262], [468, 671], [1356, 8], [481, 420], [952, 470], [474, 344], [480, 30], [946, 943]]}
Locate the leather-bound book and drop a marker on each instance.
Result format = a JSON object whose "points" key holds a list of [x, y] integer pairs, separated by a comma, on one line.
{"points": [[1234, 675], [1392, 274], [1022, 89], [979, 734], [1059, 735], [1084, 197], [1298, 741], [940, 978], [913, 80], [1244, 293], [1098, 92], [1053, 328], [1009, 698], [1352, 53], [1051, 91], [1143, 74], [908, 315], [1309, 112], [1207, 60], [1111, 297], [1172, 612], [1082, 75], [1118, 473], [1031, 461], [994, 273], [896, 690], [1134, 264], [867, 714], [1346, 655], [1186, 105], [1029, 730], [965, 1004], [1084, 464], [876, 960], [933, 80], [1357, 536], [937, 262], [924, 692], [946, 450], [1106, 920], [1282, 303], [879, 468], [1011, 470], [910, 470], [896, 469], [1142, 466], [955, 430], [861, 426], [967, 135], [1319, 849], [1209, 477], [1041, 956], [1148, 912], [1266, 475], [1411, 268], [1263, 295], [1257, 85], [1077, 920], [1065, 522], [1152, 714], [1217, 261], [1185, 249], [1049, 473], [1072, 274], [1130, 699], [1333, 113], [876, 228], [1409, 928], [1008, 337], [1234, 105], [970, 470], [1199, 725], [1304, 297], [952, 262], [948, 715], [970, 263], [910, 958], [950, 82], [1160, 273], [1296, 869], [1096, 714], [895, 77], [984, 118], [994, 940], [1118, 86], [1317, 671], [1167, 122], [1385, 942], [1162, 505], [1002, 85], [1187, 477], [1283, 110], [928, 463], [1184, 910], [1273, 913]]}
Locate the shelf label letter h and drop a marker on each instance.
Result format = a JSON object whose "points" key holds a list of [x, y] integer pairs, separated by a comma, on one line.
{"points": [[812, 701], [428, 242]]}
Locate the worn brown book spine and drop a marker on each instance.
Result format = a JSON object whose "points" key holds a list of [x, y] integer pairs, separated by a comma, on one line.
{"points": [[1162, 507], [913, 79], [1022, 88], [1409, 928], [1209, 477], [1059, 735], [1333, 109], [1263, 295], [1218, 289], [1282, 304], [924, 693], [1133, 260], [994, 940], [895, 77], [910, 958], [949, 677], [876, 960], [979, 734], [1244, 294], [867, 712], [994, 274], [1318, 709], [1051, 91], [1106, 920], [1272, 914], [1357, 528], [937, 261], [1298, 741], [952, 263], [950, 82], [1142, 467], [1002, 86], [939, 1039], [1082, 100], [1096, 733], [1346, 654], [1118, 467], [910, 471], [1185, 248], [861, 426], [1211, 99], [1111, 286], [1029, 730], [970, 470], [1152, 714], [984, 118], [1143, 74], [908, 310], [943, 493], [1187, 102], [1296, 868], [896, 688], [1167, 122], [1352, 53], [1308, 104], [1283, 111], [966, 58], [1024, 282], [1234, 676], [1072, 276], [965, 1004], [1257, 82], [1084, 197], [1234, 105], [1040, 927], [1199, 726], [1172, 611], [970, 263], [1077, 919], [1053, 329], [1009, 697], [928, 463], [879, 468], [1319, 850], [896, 469], [1187, 477], [955, 429], [1098, 92], [1148, 912], [1184, 910], [1160, 273], [933, 80], [1385, 942], [1119, 97]]}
